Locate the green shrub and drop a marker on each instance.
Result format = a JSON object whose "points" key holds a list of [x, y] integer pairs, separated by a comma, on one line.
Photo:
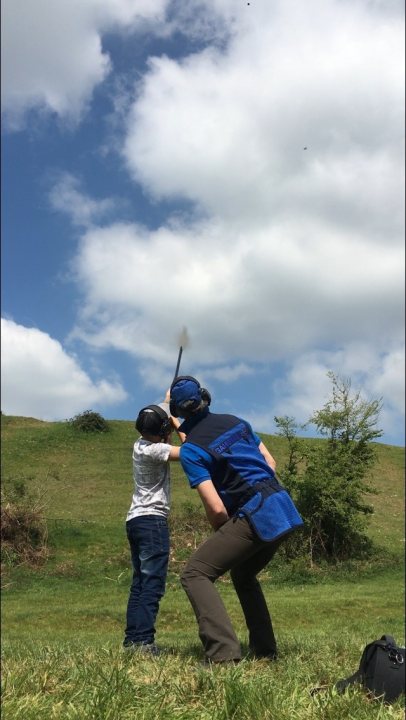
{"points": [[188, 527], [24, 530], [90, 422], [329, 481]]}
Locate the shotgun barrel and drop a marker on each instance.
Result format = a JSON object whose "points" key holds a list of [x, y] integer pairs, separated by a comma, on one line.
{"points": [[178, 363]]}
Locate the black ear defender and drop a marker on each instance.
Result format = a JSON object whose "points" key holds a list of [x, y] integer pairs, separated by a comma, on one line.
{"points": [[203, 393], [152, 420]]}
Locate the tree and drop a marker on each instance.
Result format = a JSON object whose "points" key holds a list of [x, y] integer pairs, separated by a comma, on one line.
{"points": [[348, 419], [330, 488], [287, 428]]}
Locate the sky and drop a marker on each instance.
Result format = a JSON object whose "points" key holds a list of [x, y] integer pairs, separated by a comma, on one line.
{"points": [[226, 175]]}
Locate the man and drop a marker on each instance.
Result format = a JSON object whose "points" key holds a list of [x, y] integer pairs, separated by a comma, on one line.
{"points": [[249, 510]]}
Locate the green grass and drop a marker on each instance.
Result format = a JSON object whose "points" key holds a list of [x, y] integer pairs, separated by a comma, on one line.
{"points": [[62, 656], [74, 605], [62, 623], [79, 671], [85, 682]]}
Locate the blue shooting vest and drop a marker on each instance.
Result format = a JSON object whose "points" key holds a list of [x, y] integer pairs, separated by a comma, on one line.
{"points": [[244, 480]]}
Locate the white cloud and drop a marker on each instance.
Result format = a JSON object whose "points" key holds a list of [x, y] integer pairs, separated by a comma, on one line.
{"points": [[52, 56], [291, 290], [230, 373], [234, 123], [67, 196], [40, 379], [389, 381]]}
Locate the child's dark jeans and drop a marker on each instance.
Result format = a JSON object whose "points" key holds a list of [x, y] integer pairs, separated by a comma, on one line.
{"points": [[148, 536]]}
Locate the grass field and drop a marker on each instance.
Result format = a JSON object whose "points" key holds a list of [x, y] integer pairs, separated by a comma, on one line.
{"points": [[62, 624]]}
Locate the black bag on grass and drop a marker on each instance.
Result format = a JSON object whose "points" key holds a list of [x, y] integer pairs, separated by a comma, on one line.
{"points": [[381, 670]]}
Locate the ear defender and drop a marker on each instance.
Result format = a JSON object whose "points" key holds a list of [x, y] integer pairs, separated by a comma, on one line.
{"points": [[173, 409], [205, 395], [153, 421]]}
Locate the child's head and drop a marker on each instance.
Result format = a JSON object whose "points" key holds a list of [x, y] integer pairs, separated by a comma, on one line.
{"points": [[153, 423]]}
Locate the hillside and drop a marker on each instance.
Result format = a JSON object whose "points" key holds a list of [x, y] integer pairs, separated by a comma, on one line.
{"points": [[88, 477], [63, 621]]}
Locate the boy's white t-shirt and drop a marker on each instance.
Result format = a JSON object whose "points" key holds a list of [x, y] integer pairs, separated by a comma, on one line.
{"points": [[151, 479]]}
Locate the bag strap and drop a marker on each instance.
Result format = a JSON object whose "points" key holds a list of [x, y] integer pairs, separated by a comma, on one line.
{"points": [[388, 640]]}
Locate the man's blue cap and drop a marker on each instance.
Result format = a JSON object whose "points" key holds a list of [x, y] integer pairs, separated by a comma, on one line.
{"points": [[186, 390]]}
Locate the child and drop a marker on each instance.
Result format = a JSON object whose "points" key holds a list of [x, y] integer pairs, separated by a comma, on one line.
{"points": [[147, 523]]}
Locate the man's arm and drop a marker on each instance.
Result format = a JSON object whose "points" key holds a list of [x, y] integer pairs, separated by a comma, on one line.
{"points": [[215, 511], [267, 456]]}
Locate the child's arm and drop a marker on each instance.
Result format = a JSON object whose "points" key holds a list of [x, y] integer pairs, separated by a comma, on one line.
{"points": [[174, 452], [174, 421], [175, 424], [175, 449]]}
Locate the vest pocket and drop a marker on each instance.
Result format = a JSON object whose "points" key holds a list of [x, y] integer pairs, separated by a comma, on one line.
{"points": [[272, 515]]}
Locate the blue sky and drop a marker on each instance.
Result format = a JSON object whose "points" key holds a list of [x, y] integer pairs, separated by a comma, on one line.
{"points": [[227, 173]]}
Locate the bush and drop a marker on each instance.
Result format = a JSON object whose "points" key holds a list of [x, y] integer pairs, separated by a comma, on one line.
{"points": [[188, 528], [329, 482], [24, 530], [89, 421]]}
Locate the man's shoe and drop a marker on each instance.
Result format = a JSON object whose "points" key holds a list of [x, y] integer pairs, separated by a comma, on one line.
{"points": [[271, 657], [143, 648], [209, 663]]}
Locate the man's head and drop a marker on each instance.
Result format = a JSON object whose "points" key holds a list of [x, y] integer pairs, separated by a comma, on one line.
{"points": [[153, 421], [187, 396]]}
